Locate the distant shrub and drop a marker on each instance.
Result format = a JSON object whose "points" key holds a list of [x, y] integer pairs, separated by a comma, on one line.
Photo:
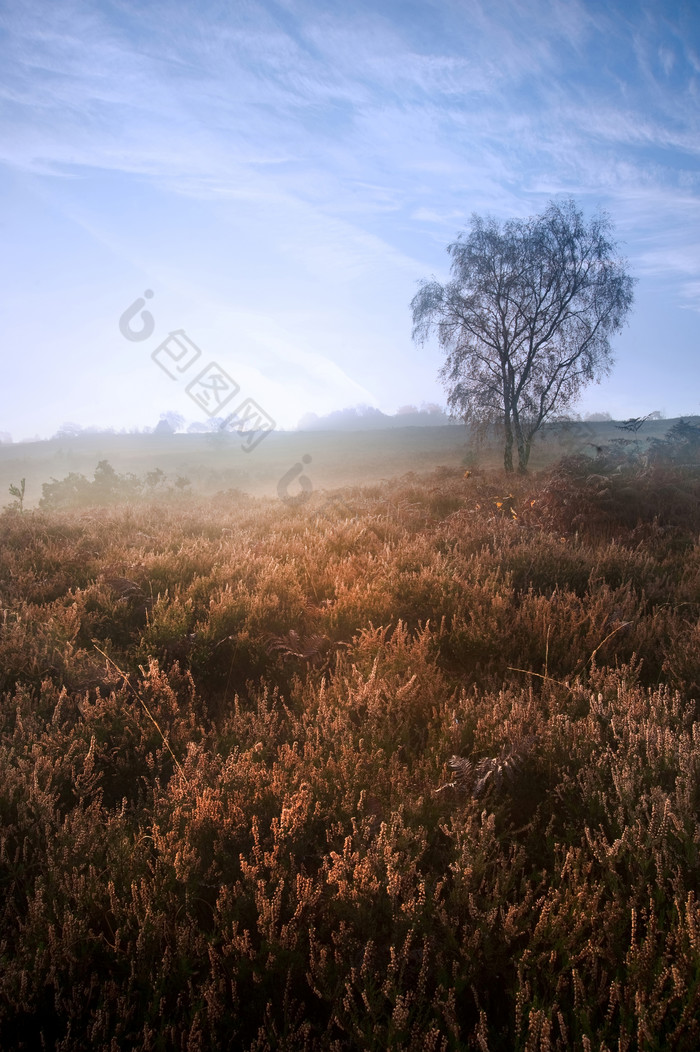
{"points": [[618, 492], [680, 446], [73, 489], [106, 487]]}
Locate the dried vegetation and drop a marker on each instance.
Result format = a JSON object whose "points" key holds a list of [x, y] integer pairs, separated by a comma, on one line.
{"points": [[419, 770]]}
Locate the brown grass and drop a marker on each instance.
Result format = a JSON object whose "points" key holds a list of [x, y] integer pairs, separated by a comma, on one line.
{"points": [[420, 771]]}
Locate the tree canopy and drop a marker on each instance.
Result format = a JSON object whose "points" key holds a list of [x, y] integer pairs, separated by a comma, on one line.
{"points": [[526, 318]]}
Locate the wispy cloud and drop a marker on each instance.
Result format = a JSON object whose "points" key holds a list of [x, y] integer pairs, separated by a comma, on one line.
{"points": [[315, 158]]}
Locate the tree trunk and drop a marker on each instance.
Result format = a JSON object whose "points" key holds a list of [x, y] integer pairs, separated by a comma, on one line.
{"points": [[523, 444], [508, 451], [523, 455]]}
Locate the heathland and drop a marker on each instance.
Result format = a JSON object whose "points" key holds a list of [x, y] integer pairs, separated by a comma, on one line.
{"points": [[413, 764], [217, 461]]}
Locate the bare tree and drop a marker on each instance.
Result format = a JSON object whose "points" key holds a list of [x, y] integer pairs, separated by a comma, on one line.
{"points": [[526, 318]]}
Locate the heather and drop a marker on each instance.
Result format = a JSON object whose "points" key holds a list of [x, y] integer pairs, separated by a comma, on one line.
{"points": [[414, 765]]}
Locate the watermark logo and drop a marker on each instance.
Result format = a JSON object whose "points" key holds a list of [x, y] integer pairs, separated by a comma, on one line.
{"points": [[178, 352], [251, 421], [294, 475], [211, 389], [145, 330]]}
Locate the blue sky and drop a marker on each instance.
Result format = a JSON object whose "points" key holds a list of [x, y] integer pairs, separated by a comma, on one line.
{"points": [[281, 174]]}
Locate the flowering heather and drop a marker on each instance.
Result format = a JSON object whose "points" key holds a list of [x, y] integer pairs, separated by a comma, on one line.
{"points": [[420, 772]]}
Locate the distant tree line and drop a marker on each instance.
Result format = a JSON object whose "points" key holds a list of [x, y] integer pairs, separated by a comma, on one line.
{"points": [[364, 417]]}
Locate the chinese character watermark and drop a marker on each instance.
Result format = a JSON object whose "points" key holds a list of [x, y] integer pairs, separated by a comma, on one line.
{"points": [[211, 389], [177, 350], [251, 421]]}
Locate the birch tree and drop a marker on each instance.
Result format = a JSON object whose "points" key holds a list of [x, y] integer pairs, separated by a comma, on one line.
{"points": [[526, 318]]}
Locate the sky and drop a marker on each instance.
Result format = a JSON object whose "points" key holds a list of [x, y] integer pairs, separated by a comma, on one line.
{"points": [[279, 176]]}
